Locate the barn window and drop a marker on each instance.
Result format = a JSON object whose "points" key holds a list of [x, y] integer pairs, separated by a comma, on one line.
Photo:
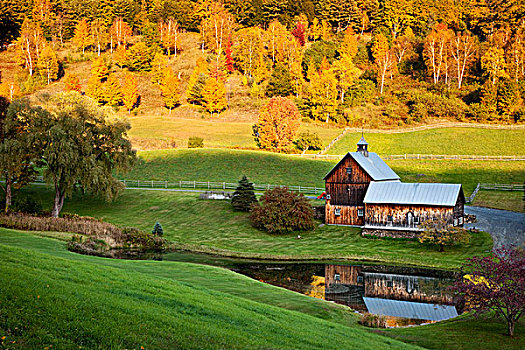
{"points": [[337, 212], [349, 171], [455, 222], [389, 284], [337, 277], [359, 212], [416, 220], [461, 220], [359, 279], [389, 218]]}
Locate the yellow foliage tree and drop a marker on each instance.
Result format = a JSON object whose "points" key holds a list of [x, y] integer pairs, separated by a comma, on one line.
{"points": [[10, 90], [349, 44], [95, 89], [99, 34], [249, 49], [120, 33], [112, 91], [170, 89], [158, 68], [322, 92], [120, 55], [169, 36], [29, 45], [384, 58], [346, 74], [493, 62], [82, 37], [130, 93], [99, 69], [48, 64], [277, 125], [214, 95]]}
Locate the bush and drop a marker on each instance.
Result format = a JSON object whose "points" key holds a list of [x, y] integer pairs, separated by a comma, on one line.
{"points": [[283, 211], [307, 140], [361, 92], [372, 320], [26, 205], [244, 195], [157, 229], [423, 104], [139, 57], [195, 142]]}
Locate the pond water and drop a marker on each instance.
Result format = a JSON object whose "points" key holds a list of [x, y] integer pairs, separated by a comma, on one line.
{"points": [[405, 295]]}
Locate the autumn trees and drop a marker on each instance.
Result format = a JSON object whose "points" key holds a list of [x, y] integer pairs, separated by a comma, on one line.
{"points": [[277, 125]]}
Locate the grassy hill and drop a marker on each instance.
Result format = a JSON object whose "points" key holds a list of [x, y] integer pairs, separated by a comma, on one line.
{"points": [[264, 167], [439, 141], [55, 299], [214, 227]]}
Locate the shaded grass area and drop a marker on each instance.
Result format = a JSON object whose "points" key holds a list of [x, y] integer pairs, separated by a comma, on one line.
{"points": [[507, 200], [213, 226], [53, 298], [263, 167], [465, 332], [476, 141]]}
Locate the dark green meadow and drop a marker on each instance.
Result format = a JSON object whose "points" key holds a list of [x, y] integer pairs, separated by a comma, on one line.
{"points": [[51, 298], [214, 227]]}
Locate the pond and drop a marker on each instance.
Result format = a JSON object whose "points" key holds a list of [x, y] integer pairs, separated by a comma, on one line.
{"points": [[405, 295]]}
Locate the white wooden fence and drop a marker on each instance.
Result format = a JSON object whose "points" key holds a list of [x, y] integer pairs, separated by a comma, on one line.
{"points": [[423, 157]]}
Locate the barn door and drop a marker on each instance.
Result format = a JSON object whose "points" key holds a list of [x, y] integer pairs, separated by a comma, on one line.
{"points": [[410, 219]]}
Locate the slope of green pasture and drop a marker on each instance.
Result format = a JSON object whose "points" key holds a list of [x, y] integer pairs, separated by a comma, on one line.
{"points": [[492, 142], [466, 332], [156, 131], [50, 298], [213, 226], [264, 167]]}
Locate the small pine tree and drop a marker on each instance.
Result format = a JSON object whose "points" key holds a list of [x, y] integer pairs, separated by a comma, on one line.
{"points": [[157, 229], [280, 83], [244, 195]]}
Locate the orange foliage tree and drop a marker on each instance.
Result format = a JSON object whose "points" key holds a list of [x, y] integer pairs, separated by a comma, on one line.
{"points": [[170, 89], [214, 96], [82, 38], [72, 83], [277, 125], [130, 93]]}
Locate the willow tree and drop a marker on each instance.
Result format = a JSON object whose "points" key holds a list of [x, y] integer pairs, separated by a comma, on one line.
{"points": [[88, 162], [18, 156]]}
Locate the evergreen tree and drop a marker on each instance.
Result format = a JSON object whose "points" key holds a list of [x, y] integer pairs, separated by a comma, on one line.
{"points": [[157, 229], [280, 83], [244, 195]]}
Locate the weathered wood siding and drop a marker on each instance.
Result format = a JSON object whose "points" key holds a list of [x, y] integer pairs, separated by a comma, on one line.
{"points": [[347, 274], [408, 288], [378, 214], [459, 209], [348, 215], [347, 192]]}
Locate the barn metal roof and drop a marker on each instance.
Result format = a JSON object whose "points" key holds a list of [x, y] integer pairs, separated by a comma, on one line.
{"points": [[393, 192], [362, 141], [408, 309], [373, 165]]}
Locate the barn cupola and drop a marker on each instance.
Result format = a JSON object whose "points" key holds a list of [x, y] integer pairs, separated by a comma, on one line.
{"points": [[362, 146]]}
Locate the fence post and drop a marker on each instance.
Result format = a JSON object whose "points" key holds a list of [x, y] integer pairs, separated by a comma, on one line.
{"points": [[138, 183], [194, 184], [224, 185], [151, 183], [166, 183], [208, 185], [180, 184]]}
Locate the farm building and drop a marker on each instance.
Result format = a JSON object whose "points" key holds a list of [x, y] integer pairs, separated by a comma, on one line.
{"points": [[362, 190]]}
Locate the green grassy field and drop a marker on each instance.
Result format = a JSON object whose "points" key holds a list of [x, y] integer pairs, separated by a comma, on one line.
{"points": [[484, 332], [264, 167], [501, 200], [51, 298], [439, 141], [213, 226], [162, 131]]}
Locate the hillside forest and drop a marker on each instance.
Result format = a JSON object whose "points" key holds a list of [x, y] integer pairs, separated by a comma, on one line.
{"points": [[340, 62]]}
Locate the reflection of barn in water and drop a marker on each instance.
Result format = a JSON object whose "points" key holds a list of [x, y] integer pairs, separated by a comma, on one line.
{"points": [[401, 294]]}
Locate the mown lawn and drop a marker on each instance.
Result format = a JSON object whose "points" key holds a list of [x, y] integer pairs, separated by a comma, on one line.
{"points": [[439, 141], [501, 200], [463, 333], [51, 298], [213, 226], [264, 167]]}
